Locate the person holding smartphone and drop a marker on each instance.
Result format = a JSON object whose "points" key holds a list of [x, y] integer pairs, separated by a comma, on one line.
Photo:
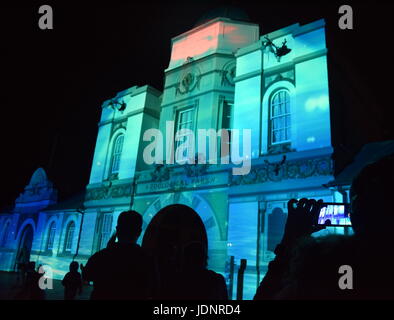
{"points": [[308, 267]]}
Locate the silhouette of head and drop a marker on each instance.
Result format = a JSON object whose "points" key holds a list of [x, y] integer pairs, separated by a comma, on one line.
{"points": [[372, 211], [194, 256], [74, 266], [129, 226]]}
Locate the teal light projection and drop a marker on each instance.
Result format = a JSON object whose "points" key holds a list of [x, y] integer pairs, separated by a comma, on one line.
{"points": [[242, 240], [243, 215]]}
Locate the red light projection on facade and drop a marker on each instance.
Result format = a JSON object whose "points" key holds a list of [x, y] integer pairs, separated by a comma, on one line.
{"points": [[235, 35], [218, 35], [196, 44]]}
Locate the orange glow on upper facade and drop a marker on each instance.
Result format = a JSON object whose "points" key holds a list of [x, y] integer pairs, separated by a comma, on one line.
{"points": [[196, 44], [218, 35]]}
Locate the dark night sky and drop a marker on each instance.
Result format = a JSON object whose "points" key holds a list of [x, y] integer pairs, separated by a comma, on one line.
{"points": [[54, 81]]}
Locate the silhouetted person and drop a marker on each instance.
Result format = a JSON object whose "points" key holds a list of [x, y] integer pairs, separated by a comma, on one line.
{"points": [[195, 281], [22, 264], [33, 290], [112, 241], [122, 270], [308, 268], [72, 282], [166, 238]]}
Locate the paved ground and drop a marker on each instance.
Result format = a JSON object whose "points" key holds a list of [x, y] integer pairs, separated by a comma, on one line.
{"points": [[10, 289]]}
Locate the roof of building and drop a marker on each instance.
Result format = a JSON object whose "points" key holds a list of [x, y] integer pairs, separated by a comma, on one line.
{"points": [[229, 12], [368, 154], [39, 177]]}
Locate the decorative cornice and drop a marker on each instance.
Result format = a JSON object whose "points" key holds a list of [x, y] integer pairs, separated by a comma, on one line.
{"points": [[195, 170], [109, 191], [161, 173], [280, 148], [153, 113], [169, 71], [223, 90], [297, 169]]}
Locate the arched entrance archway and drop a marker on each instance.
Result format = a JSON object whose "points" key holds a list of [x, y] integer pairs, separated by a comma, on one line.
{"points": [[203, 209]]}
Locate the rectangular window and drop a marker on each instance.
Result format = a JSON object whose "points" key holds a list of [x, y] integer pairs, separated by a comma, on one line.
{"points": [[227, 122], [185, 120], [106, 229]]}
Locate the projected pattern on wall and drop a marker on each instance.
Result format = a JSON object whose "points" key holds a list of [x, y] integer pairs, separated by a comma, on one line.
{"points": [[221, 75]]}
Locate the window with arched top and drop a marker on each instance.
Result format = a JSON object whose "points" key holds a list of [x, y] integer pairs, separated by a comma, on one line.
{"points": [[68, 241], [280, 117], [4, 235], [51, 235], [116, 154]]}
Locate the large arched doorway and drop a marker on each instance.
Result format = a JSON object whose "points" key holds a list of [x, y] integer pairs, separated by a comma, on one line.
{"points": [[216, 246], [25, 244]]}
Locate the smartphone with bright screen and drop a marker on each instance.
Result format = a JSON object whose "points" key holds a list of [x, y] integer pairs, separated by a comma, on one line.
{"points": [[335, 215]]}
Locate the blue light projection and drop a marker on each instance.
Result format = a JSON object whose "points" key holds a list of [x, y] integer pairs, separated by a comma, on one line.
{"points": [[238, 212]]}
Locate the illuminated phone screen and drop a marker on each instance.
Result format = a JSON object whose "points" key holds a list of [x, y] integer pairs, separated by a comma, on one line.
{"points": [[334, 214]]}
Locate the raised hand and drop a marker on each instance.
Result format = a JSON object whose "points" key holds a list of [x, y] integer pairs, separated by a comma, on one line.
{"points": [[302, 219]]}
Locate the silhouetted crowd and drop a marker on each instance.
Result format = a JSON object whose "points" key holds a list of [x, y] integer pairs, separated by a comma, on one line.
{"points": [[124, 270], [304, 267]]}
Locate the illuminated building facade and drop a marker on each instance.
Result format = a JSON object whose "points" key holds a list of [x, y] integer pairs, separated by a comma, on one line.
{"points": [[222, 75]]}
